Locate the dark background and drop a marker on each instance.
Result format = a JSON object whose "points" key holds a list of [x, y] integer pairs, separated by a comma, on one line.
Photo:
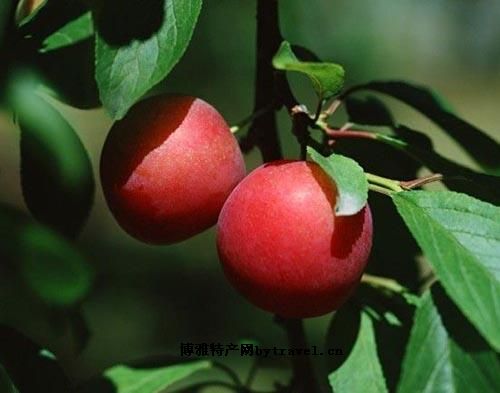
{"points": [[146, 299]]}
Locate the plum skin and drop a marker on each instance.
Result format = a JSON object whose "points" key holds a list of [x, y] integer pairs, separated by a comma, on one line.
{"points": [[282, 246], [167, 168]]}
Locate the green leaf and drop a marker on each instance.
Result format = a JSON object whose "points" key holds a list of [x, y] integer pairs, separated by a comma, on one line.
{"points": [[459, 236], [52, 268], [352, 185], [134, 380], [57, 177], [361, 372], [327, 78], [438, 359], [481, 147], [126, 71], [75, 31], [49, 265]]}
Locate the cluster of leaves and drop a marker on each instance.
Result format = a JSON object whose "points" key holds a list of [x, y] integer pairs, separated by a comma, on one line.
{"points": [[68, 50], [454, 332], [27, 367], [454, 338], [83, 54]]}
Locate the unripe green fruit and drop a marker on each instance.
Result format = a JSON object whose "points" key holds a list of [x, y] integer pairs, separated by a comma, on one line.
{"points": [[282, 246], [168, 167]]}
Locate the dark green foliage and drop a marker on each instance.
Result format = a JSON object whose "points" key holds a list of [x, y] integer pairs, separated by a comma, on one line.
{"points": [[57, 179], [30, 367], [393, 339], [481, 147]]}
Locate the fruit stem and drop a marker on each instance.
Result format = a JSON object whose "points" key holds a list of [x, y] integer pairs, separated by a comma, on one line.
{"points": [[380, 190], [392, 185], [304, 378], [388, 186], [378, 282], [390, 287]]}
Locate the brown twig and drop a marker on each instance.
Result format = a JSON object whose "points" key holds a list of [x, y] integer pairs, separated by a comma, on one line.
{"points": [[339, 133], [272, 88], [409, 185]]}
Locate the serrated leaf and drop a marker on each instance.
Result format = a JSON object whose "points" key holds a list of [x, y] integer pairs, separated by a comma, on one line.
{"points": [[437, 361], [73, 32], [135, 380], [56, 173], [126, 71], [50, 266], [459, 236], [352, 185], [361, 372], [480, 146], [327, 78]]}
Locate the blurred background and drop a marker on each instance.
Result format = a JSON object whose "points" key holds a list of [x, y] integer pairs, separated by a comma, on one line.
{"points": [[147, 299]]}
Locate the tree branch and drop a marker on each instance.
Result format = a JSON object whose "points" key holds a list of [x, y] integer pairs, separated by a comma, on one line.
{"points": [[263, 132], [8, 42], [272, 89]]}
